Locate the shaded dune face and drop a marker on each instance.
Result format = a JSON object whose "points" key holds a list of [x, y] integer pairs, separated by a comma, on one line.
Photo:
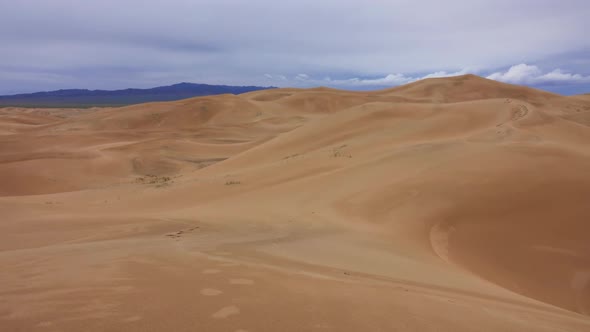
{"points": [[523, 227], [460, 185]]}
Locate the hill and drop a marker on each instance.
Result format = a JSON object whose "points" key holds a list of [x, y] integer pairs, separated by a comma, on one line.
{"points": [[78, 98]]}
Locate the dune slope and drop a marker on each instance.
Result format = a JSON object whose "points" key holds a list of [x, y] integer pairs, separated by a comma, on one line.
{"points": [[452, 204]]}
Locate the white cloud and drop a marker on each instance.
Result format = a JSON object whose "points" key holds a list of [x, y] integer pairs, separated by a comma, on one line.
{"points": [[446, 74], [517, 74], [530, 74], [391, 79], [558, 75], [276, 77], [387, 80], [302, 77]]}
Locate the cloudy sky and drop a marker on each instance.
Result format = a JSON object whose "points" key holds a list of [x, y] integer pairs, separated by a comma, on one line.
{"points": [[108, 44]]}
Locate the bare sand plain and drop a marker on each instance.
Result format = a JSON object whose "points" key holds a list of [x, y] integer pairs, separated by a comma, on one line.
{"points": [[449, 204]]}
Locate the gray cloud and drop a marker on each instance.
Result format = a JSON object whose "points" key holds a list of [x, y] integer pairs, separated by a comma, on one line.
{"points": [[112, 44]]}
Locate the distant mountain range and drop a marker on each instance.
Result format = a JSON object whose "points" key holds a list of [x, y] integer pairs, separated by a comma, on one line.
{"points": [[90, 98]]}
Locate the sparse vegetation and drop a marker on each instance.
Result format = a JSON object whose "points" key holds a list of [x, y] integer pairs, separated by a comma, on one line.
{"points": [[154, 179], [232, 182], [339, 153], [156, 116], [292, 156]]}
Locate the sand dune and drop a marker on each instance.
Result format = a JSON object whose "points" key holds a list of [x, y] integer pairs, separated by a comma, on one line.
{"points": [[448, 204]]}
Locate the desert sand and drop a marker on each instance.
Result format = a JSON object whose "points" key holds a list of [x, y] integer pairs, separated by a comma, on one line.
{"points": [[448, 204]]}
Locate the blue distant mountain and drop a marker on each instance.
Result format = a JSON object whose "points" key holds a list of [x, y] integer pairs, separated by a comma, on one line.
{"points": [[91, 98]]}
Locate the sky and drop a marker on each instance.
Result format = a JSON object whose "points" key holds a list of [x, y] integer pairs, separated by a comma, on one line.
{"points": [[370, 44]]}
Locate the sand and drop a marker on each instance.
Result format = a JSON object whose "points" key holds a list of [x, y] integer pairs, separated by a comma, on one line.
{"points": [[448, 204]]}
